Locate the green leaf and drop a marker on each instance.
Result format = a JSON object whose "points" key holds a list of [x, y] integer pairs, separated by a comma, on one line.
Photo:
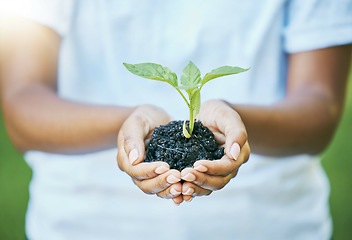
{"points": [[190, 82], [222, 71], [190, 77], [153, 71], [195, 103]]}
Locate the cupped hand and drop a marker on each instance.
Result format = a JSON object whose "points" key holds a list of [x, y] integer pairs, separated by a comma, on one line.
{"points": [[207, 176], [151, 178]]}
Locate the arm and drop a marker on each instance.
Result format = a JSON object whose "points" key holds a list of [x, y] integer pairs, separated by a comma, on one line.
{"points": [[305, 120], [36, 117]]}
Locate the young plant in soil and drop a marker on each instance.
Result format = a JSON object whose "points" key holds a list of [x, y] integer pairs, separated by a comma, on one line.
{"points": [[181, 143]]}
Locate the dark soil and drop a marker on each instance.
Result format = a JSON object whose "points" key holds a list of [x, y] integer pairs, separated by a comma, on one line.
{"points": [[168, 144]]}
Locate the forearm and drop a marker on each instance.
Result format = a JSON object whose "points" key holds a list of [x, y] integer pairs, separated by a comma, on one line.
{"points": [[37, 119], [306, 119], [304, 125]]}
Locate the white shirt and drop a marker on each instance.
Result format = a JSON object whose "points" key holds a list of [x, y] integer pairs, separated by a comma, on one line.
{"points": [[87, 197]]}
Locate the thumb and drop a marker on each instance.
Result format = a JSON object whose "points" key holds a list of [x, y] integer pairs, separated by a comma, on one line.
{"points": [[236, 137], [131, 140], [134, 147]]}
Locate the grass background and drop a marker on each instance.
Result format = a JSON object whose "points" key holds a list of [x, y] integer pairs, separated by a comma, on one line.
{"points": [[337, 161]]}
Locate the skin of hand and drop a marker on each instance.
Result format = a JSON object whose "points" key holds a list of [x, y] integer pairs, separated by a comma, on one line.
{"points": [[151, 178], [207, 176]]}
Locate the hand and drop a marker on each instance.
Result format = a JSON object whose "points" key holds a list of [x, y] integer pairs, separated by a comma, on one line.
{"points": [[207, 176], [151, 178]]}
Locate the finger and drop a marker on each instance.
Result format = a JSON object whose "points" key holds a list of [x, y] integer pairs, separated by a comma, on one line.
{"points": [[125, 156], [173, 191], [236, 137], [229, 124], [160, 182], [203, 180], [219, 137], [133, 142], [245, 153], [147, 170], [233, 138], [140, 171], [187, 198], [178, 200], [137, 129], [221, 167], [191, 190], [122, 158]]}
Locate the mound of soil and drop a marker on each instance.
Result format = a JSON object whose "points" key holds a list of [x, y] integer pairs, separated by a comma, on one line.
{"points": [[168, 144]]}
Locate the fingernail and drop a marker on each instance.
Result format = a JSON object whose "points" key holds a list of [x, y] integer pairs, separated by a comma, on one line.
{"points": [[189, 191], [172, 179], [174, 192], [235, 150], [133, 156], [161, 169], [189, 177], [190, 199], [201, 168]]}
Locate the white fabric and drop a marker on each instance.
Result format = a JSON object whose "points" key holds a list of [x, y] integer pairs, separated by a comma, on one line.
{"points": [[87, 197]]}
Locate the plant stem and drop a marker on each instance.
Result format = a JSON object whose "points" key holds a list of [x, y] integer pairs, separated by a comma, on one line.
{"points": [[191, 111], [191, 121], [184, 98]]}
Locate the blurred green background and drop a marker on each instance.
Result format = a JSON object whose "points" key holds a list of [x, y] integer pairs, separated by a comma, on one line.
{"points": [[337, 160]]}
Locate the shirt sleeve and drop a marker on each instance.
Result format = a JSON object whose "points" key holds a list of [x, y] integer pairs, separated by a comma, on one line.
{"points": [[55, 14], [314, 24]]}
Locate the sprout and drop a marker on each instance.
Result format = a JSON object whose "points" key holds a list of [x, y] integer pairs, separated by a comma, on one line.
{"points": [[190, 82]]}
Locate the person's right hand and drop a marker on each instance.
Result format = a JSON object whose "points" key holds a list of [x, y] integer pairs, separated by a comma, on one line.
{"points": [[150, 177], [230, 132]]}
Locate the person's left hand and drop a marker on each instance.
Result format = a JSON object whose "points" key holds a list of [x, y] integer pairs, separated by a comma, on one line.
{"points": [[151, 177], [207, 176]]}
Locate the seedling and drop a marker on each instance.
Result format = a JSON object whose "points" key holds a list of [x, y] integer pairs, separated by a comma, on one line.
{"points": [[190, 82]]}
